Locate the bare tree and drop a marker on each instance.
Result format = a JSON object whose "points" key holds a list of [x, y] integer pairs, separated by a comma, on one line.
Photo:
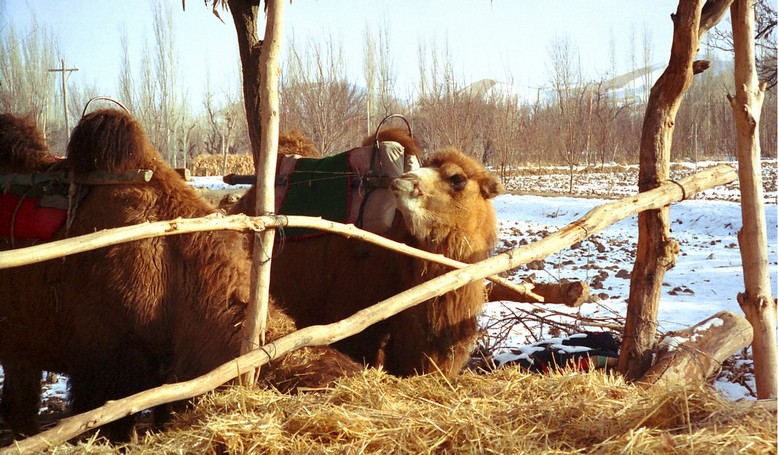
{"points": [[449, 113], [765, 41], [632, 58], [505, 138], [126, 87], [704, 128], [318, 99], [26, 87], [223, 122], [612, 54], [380, 76], [369, 66], [153, 94], [648, 46], [607, 112], [169, 102], [574, 101]]}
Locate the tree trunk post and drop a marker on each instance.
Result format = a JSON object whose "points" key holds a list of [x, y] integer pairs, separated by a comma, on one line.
{"points": [[656, 251], [244, 15], [757, 302], [256, 314]]}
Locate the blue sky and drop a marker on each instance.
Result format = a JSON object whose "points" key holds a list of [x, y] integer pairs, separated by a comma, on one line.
{"points": [[505, 40]]}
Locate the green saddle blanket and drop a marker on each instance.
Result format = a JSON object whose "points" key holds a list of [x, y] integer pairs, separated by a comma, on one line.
{"points": [[318, 187]]}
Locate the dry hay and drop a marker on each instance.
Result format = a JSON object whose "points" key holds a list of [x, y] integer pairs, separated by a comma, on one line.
{"points": [[210, 165], [504, 412], [290, 143]]}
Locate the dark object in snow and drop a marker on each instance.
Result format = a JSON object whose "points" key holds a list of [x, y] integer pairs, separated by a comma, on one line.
{"points": [[580, 351]]}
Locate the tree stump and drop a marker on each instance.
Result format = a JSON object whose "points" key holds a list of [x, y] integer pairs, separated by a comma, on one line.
{"points": [[692, 355]]}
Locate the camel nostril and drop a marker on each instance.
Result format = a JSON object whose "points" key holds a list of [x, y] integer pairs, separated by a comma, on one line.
{"points": [[401, 185], [418, 189]]}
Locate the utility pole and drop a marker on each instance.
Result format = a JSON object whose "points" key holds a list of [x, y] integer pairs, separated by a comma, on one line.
{"points": [[64, 72]]}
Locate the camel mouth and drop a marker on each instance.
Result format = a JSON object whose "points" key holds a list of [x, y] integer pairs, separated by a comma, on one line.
{"points": [[404, 187]]}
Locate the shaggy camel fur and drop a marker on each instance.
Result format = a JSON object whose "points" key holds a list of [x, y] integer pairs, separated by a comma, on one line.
{"points": [[22, 149], [443, 208], [295, 142], [134, 316]]}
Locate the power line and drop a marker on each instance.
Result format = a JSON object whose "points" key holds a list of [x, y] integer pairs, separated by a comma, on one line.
{"points": [[64, 72]]}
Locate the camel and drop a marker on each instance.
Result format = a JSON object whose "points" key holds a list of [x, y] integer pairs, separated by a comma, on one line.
{"points": [[22, 149], [444, 207], [136, 315]]}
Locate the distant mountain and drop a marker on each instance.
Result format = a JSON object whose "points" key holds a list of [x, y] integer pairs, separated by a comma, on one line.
{"points": [[631, 86], [489, 88], [482, 88]]}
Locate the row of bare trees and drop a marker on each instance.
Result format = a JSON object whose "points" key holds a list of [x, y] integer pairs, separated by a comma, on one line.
{"points": [[572, 121]]}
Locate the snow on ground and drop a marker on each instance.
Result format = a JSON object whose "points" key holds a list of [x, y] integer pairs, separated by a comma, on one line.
{"points": [[615, 181], [705, 280], [708, 272]]}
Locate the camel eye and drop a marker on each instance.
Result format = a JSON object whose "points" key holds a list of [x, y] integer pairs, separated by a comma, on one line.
{"points": [[458, 181]]}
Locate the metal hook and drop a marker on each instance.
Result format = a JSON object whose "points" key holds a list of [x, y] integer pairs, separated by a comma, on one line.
{"points": [[106, 98]]}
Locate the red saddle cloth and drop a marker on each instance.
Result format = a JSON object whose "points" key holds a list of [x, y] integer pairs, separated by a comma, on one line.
{"points": [[27, 219]]}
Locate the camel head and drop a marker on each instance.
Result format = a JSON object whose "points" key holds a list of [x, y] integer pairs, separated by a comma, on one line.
{"points": [[448, 202]]}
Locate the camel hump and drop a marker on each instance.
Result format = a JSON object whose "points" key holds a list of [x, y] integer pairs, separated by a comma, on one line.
{"points": [[110, 140], [22, 145], [402, 136]]}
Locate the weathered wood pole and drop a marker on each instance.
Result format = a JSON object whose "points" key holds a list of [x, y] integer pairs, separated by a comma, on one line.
{"points": [[656, 251], [757, 302], [256, 314]]}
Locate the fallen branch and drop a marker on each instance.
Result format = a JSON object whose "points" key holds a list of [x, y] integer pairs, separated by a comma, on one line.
{"points": [[594, 221], [692, 355], [572, 294]]}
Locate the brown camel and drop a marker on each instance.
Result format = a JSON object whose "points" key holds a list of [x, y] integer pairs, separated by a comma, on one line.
{"points": [[134, 316], [22, 149], [445, 208]]}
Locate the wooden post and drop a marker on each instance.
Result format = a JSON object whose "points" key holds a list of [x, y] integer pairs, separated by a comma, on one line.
{"points": [[757, 302], [64, 72], [256, 315], [656, 250]]}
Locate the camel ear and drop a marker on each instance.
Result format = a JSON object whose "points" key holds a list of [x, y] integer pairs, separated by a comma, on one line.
{"points": [[490, 186]]}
